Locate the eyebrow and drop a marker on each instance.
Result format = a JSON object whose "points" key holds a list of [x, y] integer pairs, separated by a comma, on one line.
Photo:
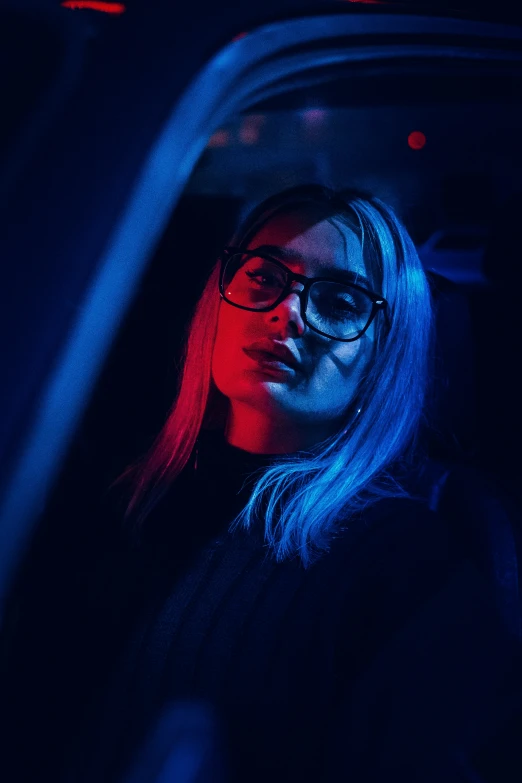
{"points": [[342, 275]]}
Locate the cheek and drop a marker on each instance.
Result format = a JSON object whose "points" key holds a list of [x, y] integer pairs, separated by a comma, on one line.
{"points": [[345, 365], [220, 357], [227, 345], [350, 352], [343, 356]]}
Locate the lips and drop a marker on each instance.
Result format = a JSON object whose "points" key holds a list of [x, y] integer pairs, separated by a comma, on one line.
{"points": [[276, 353]]}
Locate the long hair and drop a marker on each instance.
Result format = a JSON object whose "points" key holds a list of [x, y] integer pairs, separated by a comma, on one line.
{"points": [[303, 499]]}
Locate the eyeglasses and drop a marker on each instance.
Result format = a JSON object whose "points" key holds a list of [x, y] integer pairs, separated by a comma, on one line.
{"points": [[255, 281]]}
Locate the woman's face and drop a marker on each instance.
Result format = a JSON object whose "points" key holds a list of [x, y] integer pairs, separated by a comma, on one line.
{"points": [[311, 397]]}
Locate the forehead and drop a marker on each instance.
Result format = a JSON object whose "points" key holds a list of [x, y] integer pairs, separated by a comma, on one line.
{"points": [[312, 244]]}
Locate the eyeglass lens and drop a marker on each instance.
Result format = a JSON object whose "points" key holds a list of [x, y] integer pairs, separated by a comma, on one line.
{"points": [[336, 309]]}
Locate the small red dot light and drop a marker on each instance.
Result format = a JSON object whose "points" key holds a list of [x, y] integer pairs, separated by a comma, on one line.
{"points": [[250, 128], [95, 5], [220, 138], [416, 140], [314, 116]]}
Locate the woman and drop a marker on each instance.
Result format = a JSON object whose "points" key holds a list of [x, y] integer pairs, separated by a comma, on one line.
{"points": [[291, 585]]}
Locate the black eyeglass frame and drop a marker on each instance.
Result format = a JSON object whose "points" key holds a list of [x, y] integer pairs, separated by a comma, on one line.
{"points": [[378, 301]]}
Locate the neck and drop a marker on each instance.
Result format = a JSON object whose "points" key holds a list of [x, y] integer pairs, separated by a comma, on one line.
{"points": [[254, 431]]}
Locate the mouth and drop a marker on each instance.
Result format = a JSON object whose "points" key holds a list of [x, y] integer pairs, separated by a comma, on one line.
{"points": [[269, 360]]}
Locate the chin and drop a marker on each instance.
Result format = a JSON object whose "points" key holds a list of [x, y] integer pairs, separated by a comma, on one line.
{"points": [[264, 393]]}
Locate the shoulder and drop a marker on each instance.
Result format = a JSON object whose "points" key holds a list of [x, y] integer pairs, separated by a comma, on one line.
{"points": [[413, 583], [399, 562], [393, 532], [423, 652]]}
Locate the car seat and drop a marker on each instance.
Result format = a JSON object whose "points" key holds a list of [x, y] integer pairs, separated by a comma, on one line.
{"points": [[484, 517]]}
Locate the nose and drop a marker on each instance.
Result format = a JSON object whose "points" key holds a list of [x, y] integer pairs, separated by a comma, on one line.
{"points": [[288, 312]]}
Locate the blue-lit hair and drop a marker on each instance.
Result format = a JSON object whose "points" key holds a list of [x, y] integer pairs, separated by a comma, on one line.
{"points": [[304, 499]]}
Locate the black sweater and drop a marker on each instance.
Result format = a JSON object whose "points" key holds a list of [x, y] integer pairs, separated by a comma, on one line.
{"points": [[384, 660]]}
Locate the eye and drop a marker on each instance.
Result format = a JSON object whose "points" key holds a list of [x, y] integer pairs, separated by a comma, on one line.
{"points": [[263, 278], [339, 305], [343, 304]]}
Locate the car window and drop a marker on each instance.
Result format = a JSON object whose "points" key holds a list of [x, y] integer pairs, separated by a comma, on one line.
{"points": [[441, 150]]}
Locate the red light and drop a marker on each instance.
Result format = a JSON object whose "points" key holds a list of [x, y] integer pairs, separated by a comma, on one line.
{"points": [[416, 140], [238, 37], [313, 123], [250, 128], [314, 116], [220, 138], [107, 8]]}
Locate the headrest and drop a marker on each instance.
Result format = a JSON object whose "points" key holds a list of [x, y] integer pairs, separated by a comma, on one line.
{"points": [[451, 398]]}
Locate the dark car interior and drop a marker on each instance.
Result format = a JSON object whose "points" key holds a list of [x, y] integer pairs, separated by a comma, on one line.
{"points": [[343, 127]]}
